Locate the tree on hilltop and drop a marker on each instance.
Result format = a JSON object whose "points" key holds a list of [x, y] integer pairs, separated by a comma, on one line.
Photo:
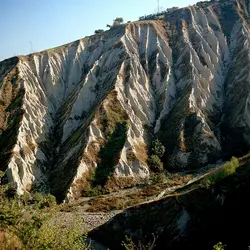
{"points": [[118, 21], [99, 31]]}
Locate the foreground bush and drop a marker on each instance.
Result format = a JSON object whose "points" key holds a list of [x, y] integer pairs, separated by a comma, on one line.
{"points": [[24, 224]]}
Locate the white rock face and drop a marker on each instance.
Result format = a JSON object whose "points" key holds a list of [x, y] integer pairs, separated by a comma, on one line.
{"points": [[185, 81]]}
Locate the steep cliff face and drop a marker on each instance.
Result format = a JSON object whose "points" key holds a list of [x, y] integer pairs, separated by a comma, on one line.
{"points": [[88, 111]]}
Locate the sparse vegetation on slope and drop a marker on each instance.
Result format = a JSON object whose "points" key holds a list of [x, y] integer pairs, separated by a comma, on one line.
{"points": [[114, 123], [11, 95], [109, 154]]}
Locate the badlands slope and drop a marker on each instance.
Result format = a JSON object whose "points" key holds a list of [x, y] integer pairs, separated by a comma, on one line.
{"points": [[96, 104]]}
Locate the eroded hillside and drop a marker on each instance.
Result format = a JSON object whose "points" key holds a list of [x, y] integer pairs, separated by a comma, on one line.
{"points": [[85, 114]]}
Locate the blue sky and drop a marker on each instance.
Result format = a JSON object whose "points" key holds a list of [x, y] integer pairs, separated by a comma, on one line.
{"points": [[33, 25]]}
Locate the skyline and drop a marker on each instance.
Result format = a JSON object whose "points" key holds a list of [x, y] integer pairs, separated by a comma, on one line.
{"points": [[32, 26]]}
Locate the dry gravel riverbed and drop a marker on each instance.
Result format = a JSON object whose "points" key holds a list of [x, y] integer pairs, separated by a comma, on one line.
{"points": [[83, 220]]}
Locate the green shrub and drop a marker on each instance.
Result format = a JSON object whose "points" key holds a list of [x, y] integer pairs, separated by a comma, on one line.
{"points": [[128, 244], [43, 200], [225, 170], [95, 191], [219, 246], [55, 237], [99, 31], [230, 167], [26, 197], [205, 183], [159, 178], [9, 212], [157, 152], [157, 148], [37, 233], [155, 163]]}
